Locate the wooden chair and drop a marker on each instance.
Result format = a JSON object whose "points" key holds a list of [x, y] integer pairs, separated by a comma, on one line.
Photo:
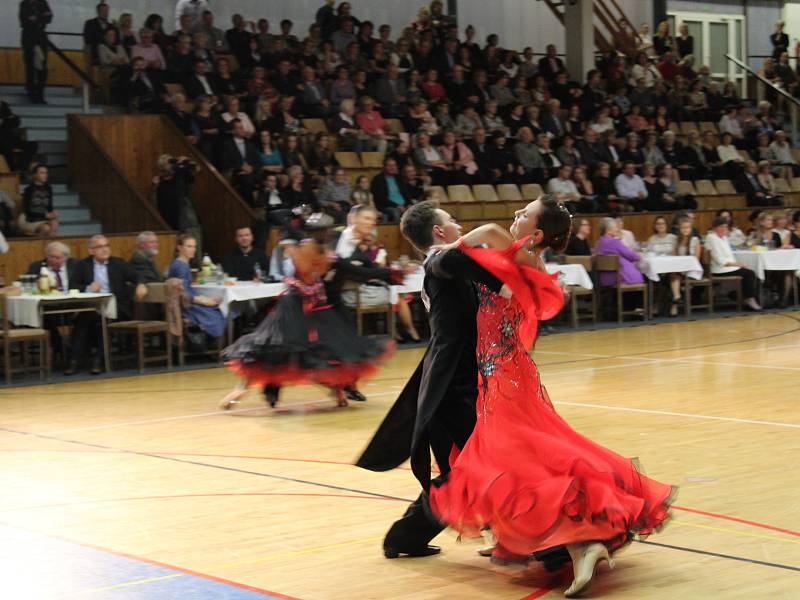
{"points": [[576, 292], [724, 186], [531, 191], [708, 126], [720, 279], [315, 126], [795, 184], [610, 264], [492, 208], [439, 194], [744, 154], [705, 187], [690, 284], [156, 296], [372, 160], [184, 327], [688, 127], [361, 310], [394, 126], [348, 160], [23, 336], [782, 186], [674, 127], [467, 207], [686, 187], [796, 154]]}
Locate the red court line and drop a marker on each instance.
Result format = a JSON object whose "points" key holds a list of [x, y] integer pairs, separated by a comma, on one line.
{"points": [[537, 594], [737, 520], [157, 563]]}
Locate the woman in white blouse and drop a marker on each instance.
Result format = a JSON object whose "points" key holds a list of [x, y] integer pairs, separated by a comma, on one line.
{"points": [[723, 262], [664, 243], [729, 155]]}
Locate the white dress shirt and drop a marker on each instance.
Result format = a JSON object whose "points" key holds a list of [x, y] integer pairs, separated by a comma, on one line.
{"points": [[100, 271], [721, 253]]}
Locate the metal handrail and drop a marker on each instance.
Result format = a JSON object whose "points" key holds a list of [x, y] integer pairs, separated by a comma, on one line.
{"points": [[88, 83], [794, 103]]}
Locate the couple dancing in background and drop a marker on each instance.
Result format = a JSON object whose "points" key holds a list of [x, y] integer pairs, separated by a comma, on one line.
{"points": [[509, 465]]}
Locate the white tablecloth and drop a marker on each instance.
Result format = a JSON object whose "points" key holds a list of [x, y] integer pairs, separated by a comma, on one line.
{"points": [[242, 291], [23, 311], [653, 266], [787, 259], [573, 274]]}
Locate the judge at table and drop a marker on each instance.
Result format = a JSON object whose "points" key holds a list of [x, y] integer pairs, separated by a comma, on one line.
{"points": [[241, 263], [101, 273], [62, 270]]}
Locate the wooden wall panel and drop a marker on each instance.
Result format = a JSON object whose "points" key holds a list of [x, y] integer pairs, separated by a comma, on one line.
{"points": [[134, 143], [12, 67], [24, 251]]}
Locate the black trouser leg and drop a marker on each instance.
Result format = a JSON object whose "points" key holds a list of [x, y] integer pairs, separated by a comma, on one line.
{"points": [[415, 529], [748, 281]]}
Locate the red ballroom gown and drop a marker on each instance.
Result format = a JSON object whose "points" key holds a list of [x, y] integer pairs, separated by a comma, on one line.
{"points": [[524, 471]]}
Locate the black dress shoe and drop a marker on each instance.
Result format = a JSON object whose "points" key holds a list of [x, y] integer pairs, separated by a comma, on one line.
{"points": [[354, 394], [72, 368], [390, 552], [97, 368]]}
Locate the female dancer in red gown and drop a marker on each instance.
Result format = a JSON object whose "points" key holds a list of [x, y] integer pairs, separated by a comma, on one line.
{"points": [[525, 473]]}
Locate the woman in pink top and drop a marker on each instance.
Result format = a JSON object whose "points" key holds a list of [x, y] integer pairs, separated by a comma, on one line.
{"points": [[371, 122], [458, 158]]}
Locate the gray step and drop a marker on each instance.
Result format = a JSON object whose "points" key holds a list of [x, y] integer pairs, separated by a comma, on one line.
{"points": [[53, 147], [47, 135], [38, 110], [74, 215], [72, 102], [85, 228], [53, 90], [66, 201], [59, 189], [45, 122], [55, 158]]}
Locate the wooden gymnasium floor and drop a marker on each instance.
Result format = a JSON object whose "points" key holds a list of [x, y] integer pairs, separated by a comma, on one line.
{"points": [[140, 488]]}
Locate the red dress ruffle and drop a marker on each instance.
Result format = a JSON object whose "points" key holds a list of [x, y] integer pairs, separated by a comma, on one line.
{"points": [[524, 471]]}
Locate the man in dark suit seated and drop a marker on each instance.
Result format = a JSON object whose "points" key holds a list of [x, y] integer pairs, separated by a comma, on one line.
{"points": [[142, 260], [243, 261], [199, 83], [94, 30], [551, 65], [239, 156], [389, 191], [757, 195], [101, 273], [63, 272], [145, 91]]}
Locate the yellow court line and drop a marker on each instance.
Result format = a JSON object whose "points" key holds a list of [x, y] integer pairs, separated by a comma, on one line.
{"points": [[735, 532], [123, 585]]}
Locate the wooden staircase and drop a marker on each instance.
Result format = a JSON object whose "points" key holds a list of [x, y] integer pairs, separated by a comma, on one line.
{"points": [[613, 31]]}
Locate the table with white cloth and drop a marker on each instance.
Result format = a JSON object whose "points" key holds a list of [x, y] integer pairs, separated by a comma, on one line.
{"points": [[653, 266], [784, 259], [241, 291], [573, 274], [29, 310]]}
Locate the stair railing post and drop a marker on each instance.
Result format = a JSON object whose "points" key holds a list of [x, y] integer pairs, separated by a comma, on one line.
{"points": [[86, 92], [793, 118]]}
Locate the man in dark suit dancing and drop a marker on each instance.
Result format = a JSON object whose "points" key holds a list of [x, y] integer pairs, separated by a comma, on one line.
{"points": [[437, 407]]}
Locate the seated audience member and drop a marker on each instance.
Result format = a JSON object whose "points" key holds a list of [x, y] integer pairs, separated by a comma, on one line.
{"points": [[17, 151], [458, 159], [210, 125], [149, 51], [764, 234], [233, 113], [736, 236], [353, 245], [564, 188], [312, 96], [626, 235], [630, 188], [657, 196], [349, 134], [142, 262], [372, 124], [240, 157], [145, 91], [550, 160], [604, 190], [111, 54], [246, 258], [104, 274], [321, 158], [334, 195], [748, 183], [198, 83], [609, 244], [63, 272], [361, 193], [38, 217], [179, 114], [415, 185], [732, 162], [389, 192], [94, 30], [687, 243], [723, 263], [578, 244], [781, 155], [430, 160], [269, 154], [202, 310], [179, 64], [298, 191], [527, 155], [661, 242]]}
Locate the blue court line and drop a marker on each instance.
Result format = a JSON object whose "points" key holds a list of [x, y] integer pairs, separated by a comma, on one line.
{"points": [[39, 567]]}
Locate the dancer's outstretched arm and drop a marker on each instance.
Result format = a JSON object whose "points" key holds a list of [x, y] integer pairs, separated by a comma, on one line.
{"points": [[491, 235]]}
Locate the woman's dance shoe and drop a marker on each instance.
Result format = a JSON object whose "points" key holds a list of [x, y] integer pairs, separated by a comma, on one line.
{"points": [[232, 398], [584, 560]]}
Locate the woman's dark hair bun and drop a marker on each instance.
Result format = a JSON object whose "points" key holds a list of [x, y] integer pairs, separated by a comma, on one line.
{"points": [[555, 223]]}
